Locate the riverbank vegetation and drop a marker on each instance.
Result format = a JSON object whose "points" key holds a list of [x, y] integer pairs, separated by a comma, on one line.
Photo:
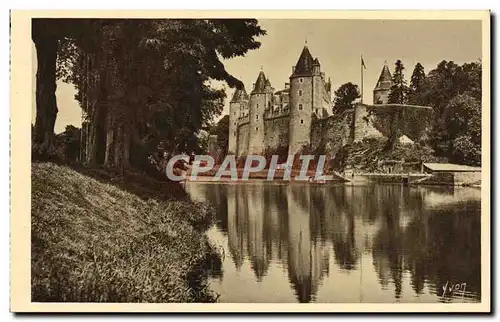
{"points": [[94, 242]]}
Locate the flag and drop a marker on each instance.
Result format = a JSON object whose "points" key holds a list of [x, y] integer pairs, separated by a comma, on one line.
{"points": [[363, 62]]}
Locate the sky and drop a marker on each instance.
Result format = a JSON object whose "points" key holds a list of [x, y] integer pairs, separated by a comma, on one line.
{"points": [[338, 44]]}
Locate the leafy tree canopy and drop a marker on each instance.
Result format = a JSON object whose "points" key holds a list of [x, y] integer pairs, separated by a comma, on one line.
{"points": [[345, 97]]}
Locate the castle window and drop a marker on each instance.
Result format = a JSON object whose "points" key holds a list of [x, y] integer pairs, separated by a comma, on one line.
{"points": [[301, 80], [257, 117], [257, 105], [317, 111], [256, 129], [300, 93], [300, 107], [301, 121]]}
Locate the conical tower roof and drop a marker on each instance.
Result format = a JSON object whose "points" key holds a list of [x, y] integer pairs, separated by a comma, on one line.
{"points": [[260, 83], [304, 64], [385, 79], [240, 95]]}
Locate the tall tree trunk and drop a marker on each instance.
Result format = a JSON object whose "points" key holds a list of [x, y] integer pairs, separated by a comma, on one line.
{"points": [[126, 143], [46, 105], [96, 147], [91, 136], [109, 156], [119, 146]]}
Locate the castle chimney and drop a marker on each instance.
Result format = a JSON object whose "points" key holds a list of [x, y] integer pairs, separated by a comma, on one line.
{"points": [[287, 85], [293, 69], [253, 86]]}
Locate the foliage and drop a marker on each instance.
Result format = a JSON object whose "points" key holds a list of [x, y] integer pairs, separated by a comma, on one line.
{"points": [[417, 85], [399, 90], [365, 155], [466, 151], [222, 132], [68, 143], [145, 82], [462, 124], [454, 92], [345, 96]]}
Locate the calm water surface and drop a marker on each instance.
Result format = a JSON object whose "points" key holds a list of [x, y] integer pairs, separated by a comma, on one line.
{"points": [[317, 243]]}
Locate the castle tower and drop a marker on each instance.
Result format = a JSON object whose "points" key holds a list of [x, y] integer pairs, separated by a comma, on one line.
{"points": [[305, 75], [260, 99], [237, 108], [381, 91]]}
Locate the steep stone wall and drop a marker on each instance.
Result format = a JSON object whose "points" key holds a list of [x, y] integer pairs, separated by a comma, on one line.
{"points": [[392, 121], [276, 132], [330, 134], [364, 127]]}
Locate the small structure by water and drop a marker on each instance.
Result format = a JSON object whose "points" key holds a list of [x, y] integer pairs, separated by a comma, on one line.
{"points": [[449, 173]]}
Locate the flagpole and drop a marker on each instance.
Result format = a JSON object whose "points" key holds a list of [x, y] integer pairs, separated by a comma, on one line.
{"points": [[361, 66]]}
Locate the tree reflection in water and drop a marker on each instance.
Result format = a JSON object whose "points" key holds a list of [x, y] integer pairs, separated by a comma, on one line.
{"points": [[429, 236]]}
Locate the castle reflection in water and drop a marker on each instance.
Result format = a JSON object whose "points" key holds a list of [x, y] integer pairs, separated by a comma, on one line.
{"points": [[404, 244]]}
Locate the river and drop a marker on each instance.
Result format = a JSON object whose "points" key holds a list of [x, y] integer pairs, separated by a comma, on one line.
{"points": [[301, 242]]}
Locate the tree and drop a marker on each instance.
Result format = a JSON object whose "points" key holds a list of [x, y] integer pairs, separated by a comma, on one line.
{"points": [[49, 37], [222, 132], [466, 151], [417, 85], [44, 35], [454, 92], [345, 97], [399, 90], [68, 143], [462, 123], [146, 84]]}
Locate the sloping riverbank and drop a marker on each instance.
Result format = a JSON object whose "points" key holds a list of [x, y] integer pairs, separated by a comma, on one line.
{"points": [[94, 242]]}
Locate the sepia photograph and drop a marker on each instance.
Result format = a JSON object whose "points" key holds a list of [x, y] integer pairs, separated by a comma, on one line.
{"points": [[238, 159]]}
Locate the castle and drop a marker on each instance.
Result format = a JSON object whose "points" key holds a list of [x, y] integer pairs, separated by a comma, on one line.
{"points": [[268, 120]]}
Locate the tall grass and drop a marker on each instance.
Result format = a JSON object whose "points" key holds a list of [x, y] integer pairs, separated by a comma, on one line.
{"points": [[94, 242]]}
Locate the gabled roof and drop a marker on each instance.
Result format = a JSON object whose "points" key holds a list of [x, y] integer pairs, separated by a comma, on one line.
{"points": [[304, 64], [240, 95], [385, 79], [260, 83]]}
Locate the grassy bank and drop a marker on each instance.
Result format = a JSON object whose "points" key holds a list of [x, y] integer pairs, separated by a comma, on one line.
{"points": [[95, 242]]}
